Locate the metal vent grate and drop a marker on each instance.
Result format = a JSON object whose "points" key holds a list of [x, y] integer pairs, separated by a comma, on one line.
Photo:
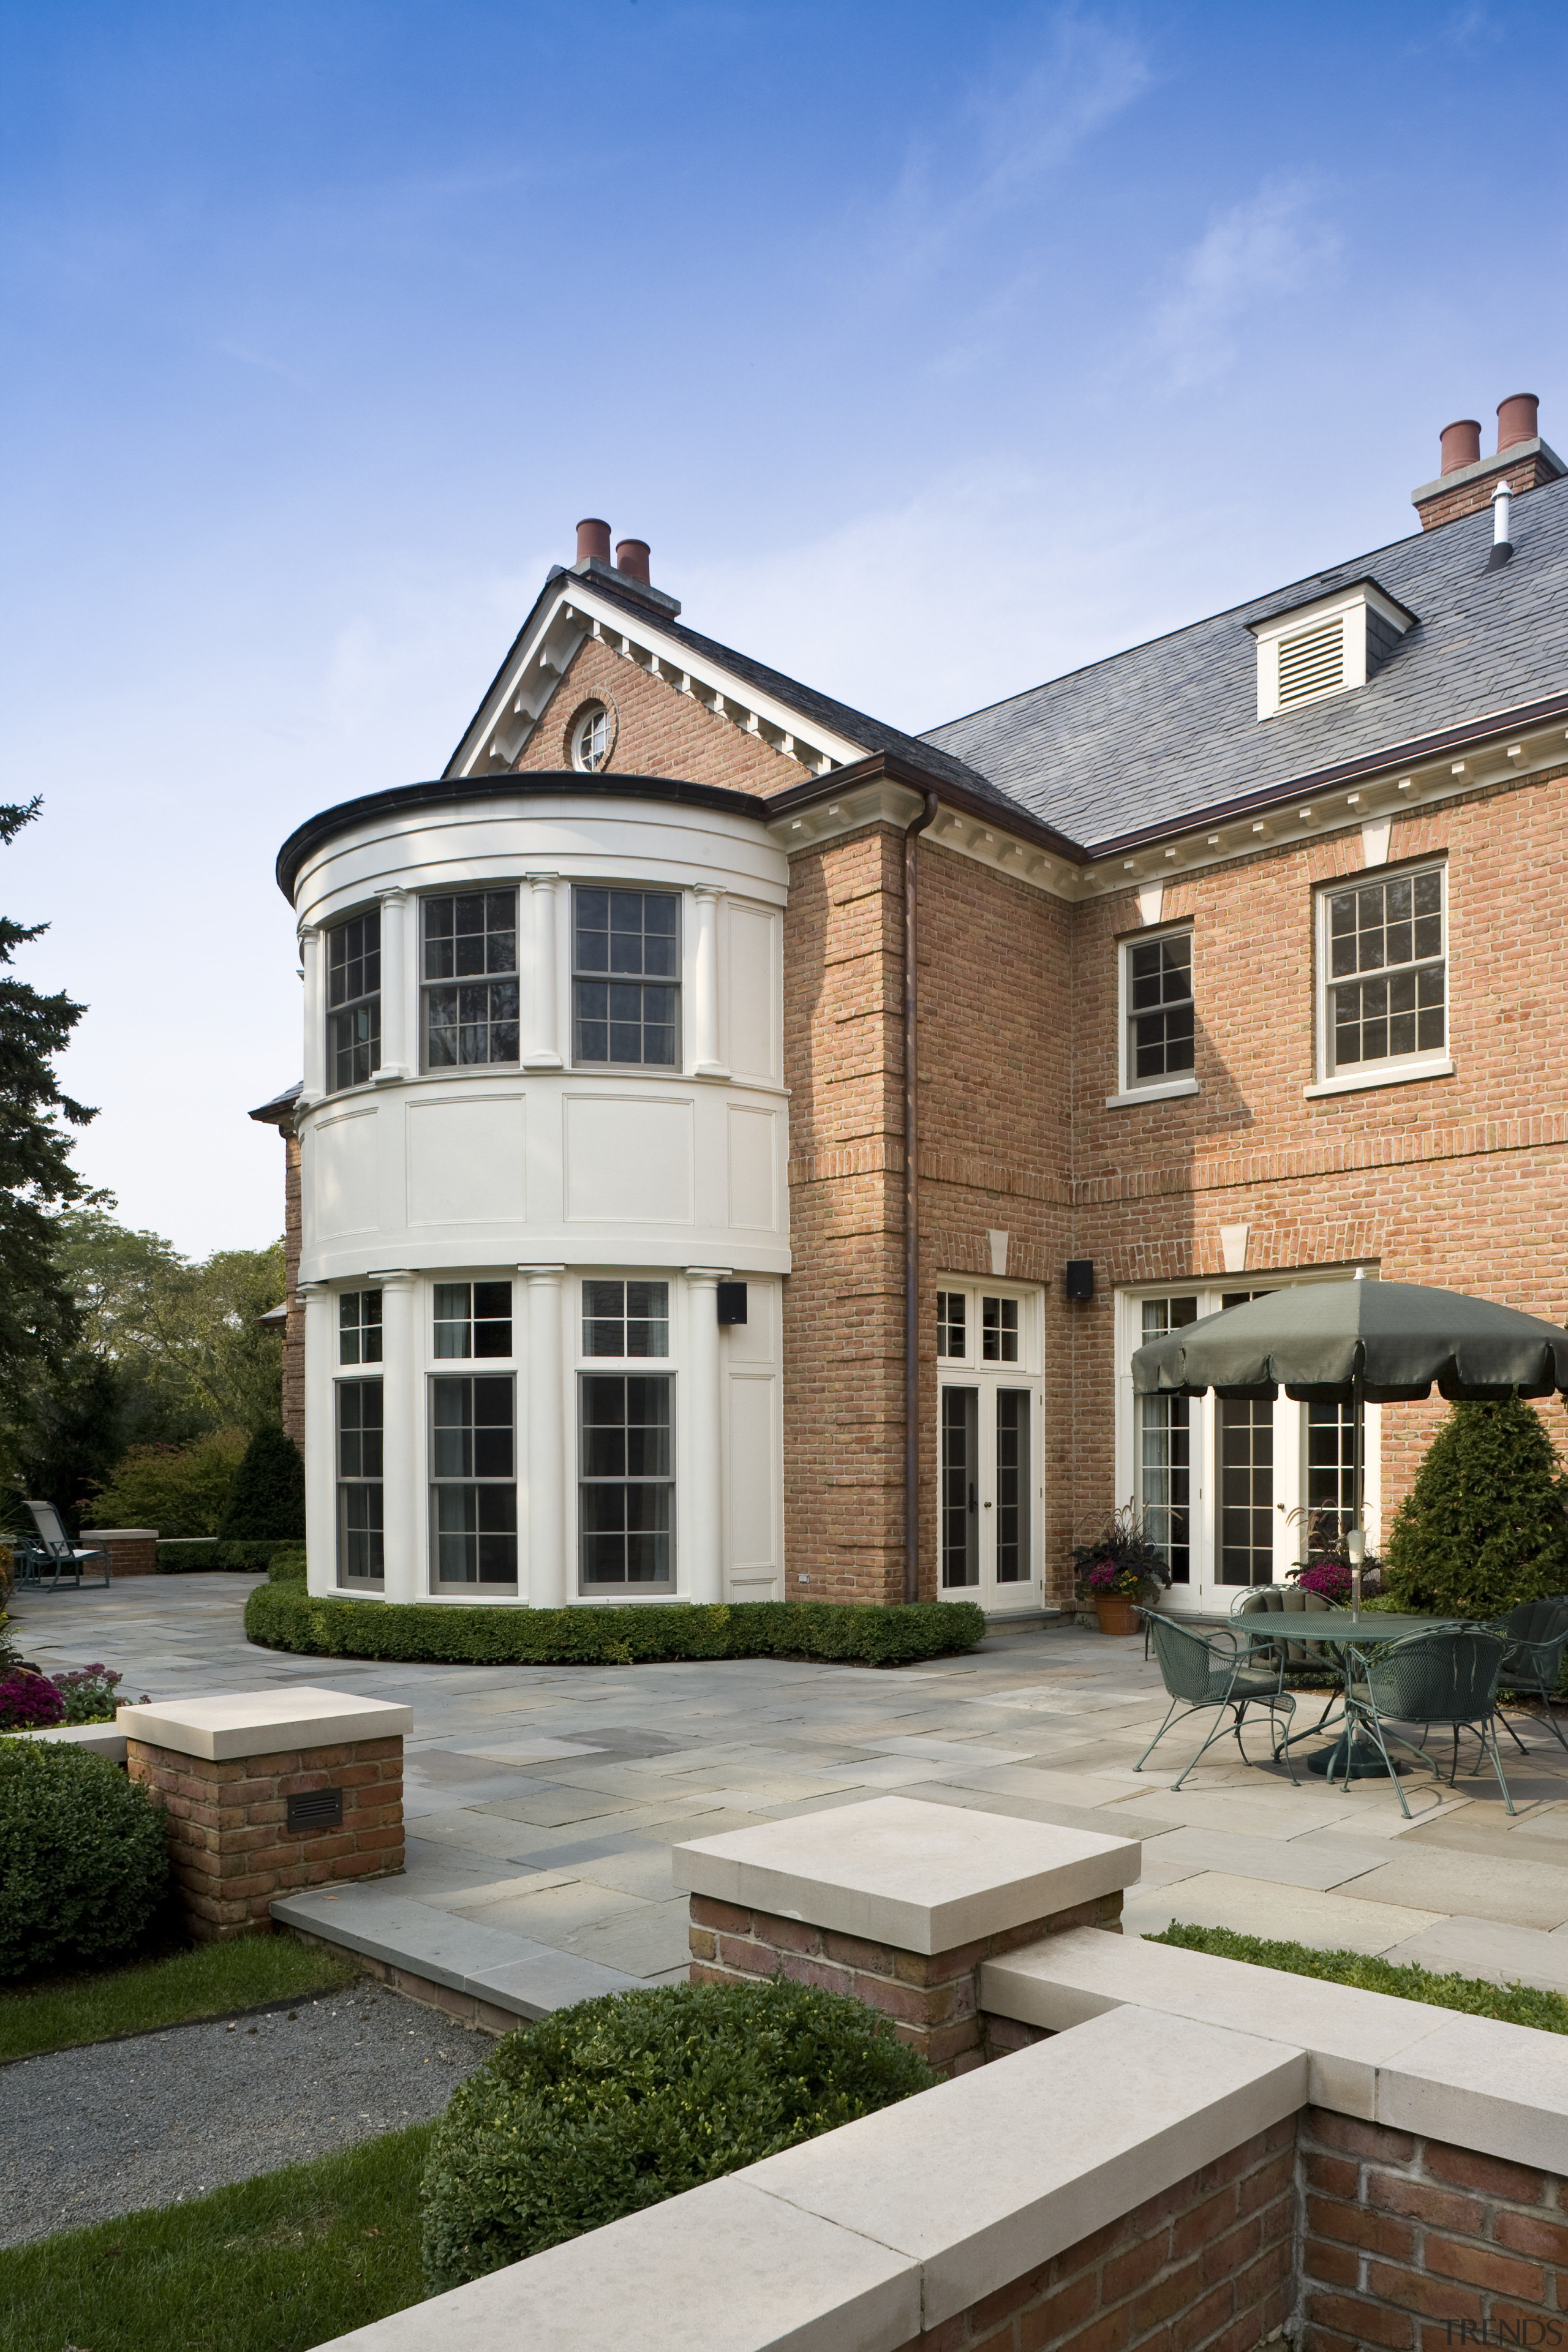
{"points": [[1312, 663], [317, 1808]]}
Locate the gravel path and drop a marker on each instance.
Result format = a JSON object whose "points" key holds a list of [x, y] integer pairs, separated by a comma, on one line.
{"points": [[86, 2134]]}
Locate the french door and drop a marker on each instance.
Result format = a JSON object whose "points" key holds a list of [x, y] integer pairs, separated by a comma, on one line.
{"points": [[989, 1417]]}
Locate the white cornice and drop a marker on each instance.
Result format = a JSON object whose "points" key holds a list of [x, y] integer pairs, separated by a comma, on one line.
{"points": [[572, 615], [880, 801]]}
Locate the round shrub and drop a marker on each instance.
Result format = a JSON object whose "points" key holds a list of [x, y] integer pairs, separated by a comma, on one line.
{"points": [[1483, 1527], [84, 1858], [621, 2102]]}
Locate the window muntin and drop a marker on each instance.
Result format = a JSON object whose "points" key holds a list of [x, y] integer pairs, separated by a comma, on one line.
{"points": [[960, 1484], [473, 1471], [590, 739], [360, 1553], [951, 1323], [626, 964], [626, 1320], [1164, 1465], [1159, 1000], [1013, 1487], [353, 1001], [1331, 1474], [626, 1479], [468, 987], [999, 1331], [473, 1319], [1386, 984], [359, 1327]]}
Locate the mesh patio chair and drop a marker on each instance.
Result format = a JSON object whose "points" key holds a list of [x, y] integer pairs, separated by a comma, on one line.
{"points": [[1213, 1669], [1305, 1666], [1536, 1633], [1433, 1679], [57, 1560]]}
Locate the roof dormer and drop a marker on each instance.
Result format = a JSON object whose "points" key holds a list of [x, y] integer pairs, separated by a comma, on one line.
{"points": [[1330, 646]]}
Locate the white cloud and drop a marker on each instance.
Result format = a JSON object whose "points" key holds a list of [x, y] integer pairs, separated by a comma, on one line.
{"points": [[1271, 245]]}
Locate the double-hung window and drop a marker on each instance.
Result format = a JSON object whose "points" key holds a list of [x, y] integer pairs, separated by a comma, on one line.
{"points": [[625, 983], [360, 1523], [353, 1001], [359, 1327], [473, 1440], [625, 1439], [1158, 1027], [1382, 957], [468, 979]]}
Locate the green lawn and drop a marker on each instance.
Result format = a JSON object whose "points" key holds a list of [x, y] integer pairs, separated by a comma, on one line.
{"points": [[275, 2264], [1516, 2004], [209, 1981]]}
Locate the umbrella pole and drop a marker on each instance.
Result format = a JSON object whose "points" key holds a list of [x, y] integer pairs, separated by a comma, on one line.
{"points": [[1355, 1542]]}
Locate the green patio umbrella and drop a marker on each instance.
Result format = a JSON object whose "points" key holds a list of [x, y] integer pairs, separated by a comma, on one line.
{"points": [[1346, 1342]]}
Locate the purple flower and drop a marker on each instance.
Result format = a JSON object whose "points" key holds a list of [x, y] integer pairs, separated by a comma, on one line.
{"points": [[29, 1702]]}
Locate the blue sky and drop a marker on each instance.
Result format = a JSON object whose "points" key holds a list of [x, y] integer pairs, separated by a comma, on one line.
{"points": [[935, 350]]}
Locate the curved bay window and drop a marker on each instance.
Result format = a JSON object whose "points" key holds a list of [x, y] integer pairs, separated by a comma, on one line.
{"points": [[625, 967], [360, 1548], [468, 979], [473, 1479], [353, 1001]]}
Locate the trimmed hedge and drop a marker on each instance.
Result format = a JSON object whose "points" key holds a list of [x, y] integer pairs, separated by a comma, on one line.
{"points": [[612, 2106], [84, 1858], [1516, 2004], [188, 1555], [283, 1616]]}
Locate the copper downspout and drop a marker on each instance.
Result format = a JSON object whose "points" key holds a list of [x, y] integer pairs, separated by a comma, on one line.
{"points": [[911, 1224]]}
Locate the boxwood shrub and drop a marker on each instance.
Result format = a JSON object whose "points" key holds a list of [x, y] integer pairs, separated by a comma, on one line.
{"points": [[283, 1616], [187, 1555], [84, 1858], [619, 2103]]}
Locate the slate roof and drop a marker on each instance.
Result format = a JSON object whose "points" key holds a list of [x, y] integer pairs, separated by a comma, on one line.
{"points": [[1170, 729]]}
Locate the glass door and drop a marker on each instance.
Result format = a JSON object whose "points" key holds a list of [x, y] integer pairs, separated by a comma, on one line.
{"points": [[990, 1403]]}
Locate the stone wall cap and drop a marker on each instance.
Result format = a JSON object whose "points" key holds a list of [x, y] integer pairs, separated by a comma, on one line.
{"points": [[102, 1739], [925, 1878], [263, 1723], [121, 1535]]}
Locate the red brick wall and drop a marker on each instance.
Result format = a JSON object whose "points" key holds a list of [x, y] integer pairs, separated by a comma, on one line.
{"points": [[661, 732], [1203, 2267], [1407, 2241], [1468, 497], [229, 1844]]}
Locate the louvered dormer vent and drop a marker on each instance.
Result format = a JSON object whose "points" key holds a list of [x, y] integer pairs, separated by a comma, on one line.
{"points": [[1312, 663], [1331, 645]]}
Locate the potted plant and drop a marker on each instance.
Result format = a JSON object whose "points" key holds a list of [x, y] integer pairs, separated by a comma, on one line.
{"points": [[1326, 1569], [1118, 1567]]}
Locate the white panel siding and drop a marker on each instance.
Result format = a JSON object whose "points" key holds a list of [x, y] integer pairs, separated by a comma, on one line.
{"points": [[466, 1160], [629, 1160]]}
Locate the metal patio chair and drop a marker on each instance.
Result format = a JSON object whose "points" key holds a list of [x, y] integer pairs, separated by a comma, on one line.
{"points": [[1536, 1633], [55, 1559], [1305, 1666], [1433, 1679], [1213, 1669]]}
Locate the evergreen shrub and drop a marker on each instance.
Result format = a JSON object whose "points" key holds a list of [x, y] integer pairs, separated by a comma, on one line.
{"points": [[616, 2104], [1485, 1525], [181, 1490], [84, 1858], [265, 1501], [283, 1616], [188, 1558]]}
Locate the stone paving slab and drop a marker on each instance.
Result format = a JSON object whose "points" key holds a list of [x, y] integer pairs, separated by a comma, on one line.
{"points": [[1487, 1947], [1484, 1886], [1255, 1906]]}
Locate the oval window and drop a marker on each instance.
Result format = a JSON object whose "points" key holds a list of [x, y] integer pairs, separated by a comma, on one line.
{"points": [[590, 739]]}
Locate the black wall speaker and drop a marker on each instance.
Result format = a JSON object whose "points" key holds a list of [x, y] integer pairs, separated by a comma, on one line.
{"points": [[1081, 1277], [731, 1302]]}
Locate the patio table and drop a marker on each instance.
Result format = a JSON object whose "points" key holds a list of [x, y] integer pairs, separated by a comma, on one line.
{"points": [[1353, 1756]]}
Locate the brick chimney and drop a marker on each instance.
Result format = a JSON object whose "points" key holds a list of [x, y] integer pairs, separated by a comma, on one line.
{"points": [[1467, 479]]}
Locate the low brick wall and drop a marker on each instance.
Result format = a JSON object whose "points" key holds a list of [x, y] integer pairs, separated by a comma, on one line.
{"points": [[133, 1551], [932, 1998], [1206, 2263], [1406, 2242], [228, 1839]]}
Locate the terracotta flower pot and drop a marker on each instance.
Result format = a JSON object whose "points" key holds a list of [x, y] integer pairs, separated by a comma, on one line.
{"points": [[1116, 1614]]}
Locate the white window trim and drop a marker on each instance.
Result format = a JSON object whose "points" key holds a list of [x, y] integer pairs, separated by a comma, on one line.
{"points": [[1398, 1070], [1128, 1090]]}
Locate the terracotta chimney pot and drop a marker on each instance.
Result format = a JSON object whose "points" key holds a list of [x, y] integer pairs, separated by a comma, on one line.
{"points": [[592, 539], [1461, 445], [632, 558], [1516, 419]]}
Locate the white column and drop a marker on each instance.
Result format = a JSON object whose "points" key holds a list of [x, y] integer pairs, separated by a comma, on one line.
{"points": [[549, 1548], [321, 1439], [541, 1013], [402, 1415], [706, 983], [311, 955], [702, 1575], [394, 1062]]}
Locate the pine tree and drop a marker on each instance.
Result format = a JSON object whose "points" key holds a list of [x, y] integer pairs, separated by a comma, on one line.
{"points": [[267, 1501], [38, 1319], [1485, 1525]]}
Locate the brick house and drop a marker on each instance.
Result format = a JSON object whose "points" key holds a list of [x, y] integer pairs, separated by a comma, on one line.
{"points": [[742, 1145]]}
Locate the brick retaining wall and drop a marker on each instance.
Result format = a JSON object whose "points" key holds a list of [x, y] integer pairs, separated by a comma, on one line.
{"points": [[228, 1842], [933, 1998]]}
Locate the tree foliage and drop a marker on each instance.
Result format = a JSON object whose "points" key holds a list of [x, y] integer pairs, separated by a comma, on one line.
{"points": [[266, 1500], [181, 1490], [39, 1319], [1485, 1526]]}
